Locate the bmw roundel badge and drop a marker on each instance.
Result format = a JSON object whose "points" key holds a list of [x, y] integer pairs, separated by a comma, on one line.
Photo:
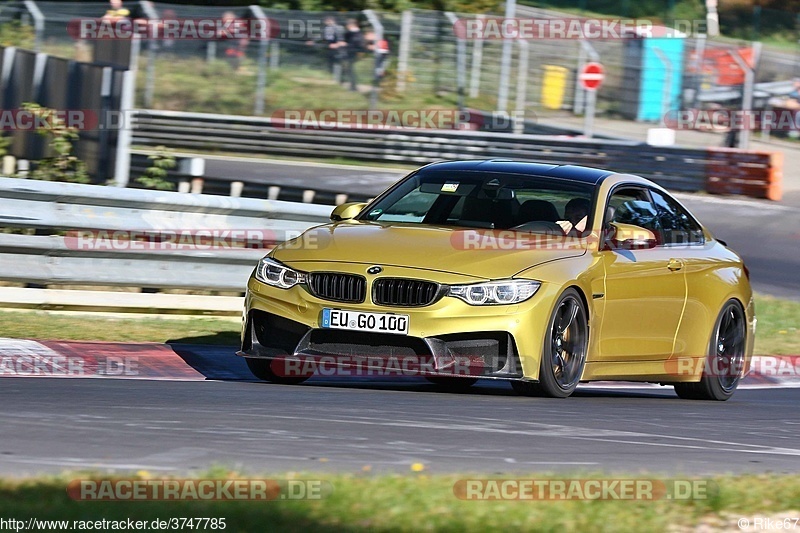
{"points": [[374, 270]]}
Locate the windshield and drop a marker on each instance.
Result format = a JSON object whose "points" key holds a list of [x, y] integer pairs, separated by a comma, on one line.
{"points": [[487, 200]]}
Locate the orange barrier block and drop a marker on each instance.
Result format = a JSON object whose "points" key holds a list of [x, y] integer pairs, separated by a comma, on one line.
{"points": [[746, 172]]}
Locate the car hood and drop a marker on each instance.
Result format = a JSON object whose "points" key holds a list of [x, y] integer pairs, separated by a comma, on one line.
{"points": [[484, 254]]}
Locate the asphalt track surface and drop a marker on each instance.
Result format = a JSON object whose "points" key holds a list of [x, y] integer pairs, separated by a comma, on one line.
{"points": [[226, 418], [766, 234], [52, 424], [182, 408]]}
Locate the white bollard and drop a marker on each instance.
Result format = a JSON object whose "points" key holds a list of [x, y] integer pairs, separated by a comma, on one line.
{"points": [[192, 166], [236, 188], [9, 165], [23, 166]]}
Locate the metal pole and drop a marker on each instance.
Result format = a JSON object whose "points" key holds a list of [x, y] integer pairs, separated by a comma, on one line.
{"points": [[377, 27], [405, 48], [586, 49], [38, 75], [747, 91], [588, 118], [699, 52], [667, 91], [712, 18], [152, 53], [274, 54], [263, 44], [522, 83], [150, 75], [505, 62], [477, 59], [122, 164], [38, 22], [461, 63], [103, 163]]}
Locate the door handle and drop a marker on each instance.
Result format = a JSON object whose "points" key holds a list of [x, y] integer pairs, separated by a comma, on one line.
{"points": [[675, 264]]}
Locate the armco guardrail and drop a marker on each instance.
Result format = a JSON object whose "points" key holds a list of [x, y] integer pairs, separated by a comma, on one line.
{"points": [[252, 189], [678, 168], [54, 256]]}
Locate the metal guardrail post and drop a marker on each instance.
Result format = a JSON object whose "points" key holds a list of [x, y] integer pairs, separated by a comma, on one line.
{"points": [[377, 27], [263, 45], [38, 22], [406, 26]]}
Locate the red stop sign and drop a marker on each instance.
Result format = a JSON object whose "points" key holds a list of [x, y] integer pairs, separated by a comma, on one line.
{"points": [[592, 76]]}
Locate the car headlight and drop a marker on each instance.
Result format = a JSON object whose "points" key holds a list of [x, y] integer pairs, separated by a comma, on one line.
{"points": [[276, 274], [510, 291]]}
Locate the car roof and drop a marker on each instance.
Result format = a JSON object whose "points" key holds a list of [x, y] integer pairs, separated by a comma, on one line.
{"points": [[570, 172]]}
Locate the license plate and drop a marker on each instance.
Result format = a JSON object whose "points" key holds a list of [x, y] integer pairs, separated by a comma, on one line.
{"points": [[357, 321]]}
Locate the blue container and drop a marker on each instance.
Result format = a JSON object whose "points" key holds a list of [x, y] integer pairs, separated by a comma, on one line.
{"points": [[647, 75]]}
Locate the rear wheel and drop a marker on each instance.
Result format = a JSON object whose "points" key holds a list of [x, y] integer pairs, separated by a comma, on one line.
{"points": [[564, 351], [725, 361], [452, 384], [264, 369]]}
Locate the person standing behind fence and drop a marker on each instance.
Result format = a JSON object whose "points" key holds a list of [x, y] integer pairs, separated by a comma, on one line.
{"points": [[381, 49], [333, 37], [354, 41], [234, 48], [117, 11]]}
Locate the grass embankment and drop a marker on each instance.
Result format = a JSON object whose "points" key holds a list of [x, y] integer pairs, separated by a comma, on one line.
{"points": [[777, 332], [193, 84], [420, 502]]}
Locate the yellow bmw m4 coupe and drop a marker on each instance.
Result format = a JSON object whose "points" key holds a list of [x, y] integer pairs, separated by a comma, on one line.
{"points": [[543, 275]]}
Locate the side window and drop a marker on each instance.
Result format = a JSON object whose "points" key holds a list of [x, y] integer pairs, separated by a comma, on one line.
{"points": [[633, 206], [678, 226]]}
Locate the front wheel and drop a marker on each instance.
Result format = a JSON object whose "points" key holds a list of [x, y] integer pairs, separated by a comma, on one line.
{"points": [[725, 361], [564, 351], [264, 369]]}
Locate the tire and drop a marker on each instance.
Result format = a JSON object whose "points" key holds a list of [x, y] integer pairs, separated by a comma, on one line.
{"points": [[564, 351], [725, 360], [452, 384], [262, 369]]}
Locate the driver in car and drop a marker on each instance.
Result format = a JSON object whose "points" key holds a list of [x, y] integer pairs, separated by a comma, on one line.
{"points": [[576, 213]]}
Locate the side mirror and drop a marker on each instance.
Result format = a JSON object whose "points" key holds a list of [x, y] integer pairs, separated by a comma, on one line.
{"points": [[347, 211], [621, 236]]}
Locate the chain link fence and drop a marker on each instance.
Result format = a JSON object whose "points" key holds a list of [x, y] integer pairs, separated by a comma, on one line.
{"points": [[412, 59]]}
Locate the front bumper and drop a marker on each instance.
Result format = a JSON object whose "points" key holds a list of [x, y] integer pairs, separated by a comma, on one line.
{"points": [[447, 338]]}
